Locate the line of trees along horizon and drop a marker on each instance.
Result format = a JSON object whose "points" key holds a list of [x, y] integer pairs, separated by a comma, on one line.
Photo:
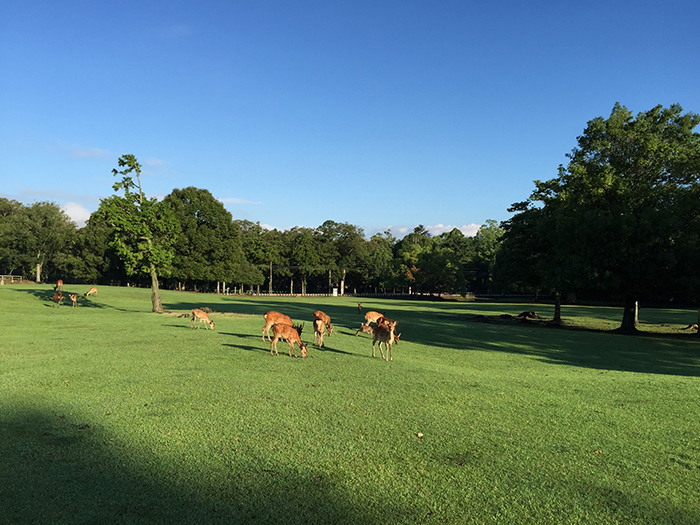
{"points": [[211, 250], [620, 222]]}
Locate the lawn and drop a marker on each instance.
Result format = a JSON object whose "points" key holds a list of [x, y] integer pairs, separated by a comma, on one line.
{"points": [[111, 414]]}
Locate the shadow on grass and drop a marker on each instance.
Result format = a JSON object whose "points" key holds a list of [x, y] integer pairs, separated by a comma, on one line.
{"points": [[54, 470], [46, 295], [447, 325]]}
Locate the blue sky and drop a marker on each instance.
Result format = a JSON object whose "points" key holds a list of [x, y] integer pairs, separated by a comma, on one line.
{"points": [[383, 114]]}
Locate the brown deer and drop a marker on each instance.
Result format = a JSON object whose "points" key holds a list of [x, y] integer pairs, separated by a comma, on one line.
{"points": [[273, 318], [359, 308], [74, 298], [373, 317], [58, 298], [202, 316], [318, 314], [58, 286], [384, 333], [319, 327], [91, 291], [291, 334], [367, 329]]}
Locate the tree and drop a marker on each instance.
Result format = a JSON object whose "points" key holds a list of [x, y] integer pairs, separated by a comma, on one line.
{"points": [[209, 247], [50, 236], [14, 230], [144, 230], [612, 207]]}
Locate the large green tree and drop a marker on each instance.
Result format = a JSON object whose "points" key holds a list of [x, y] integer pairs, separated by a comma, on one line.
{"points": [[613, 217], [144, 229], [50, 237], [209, 247]]}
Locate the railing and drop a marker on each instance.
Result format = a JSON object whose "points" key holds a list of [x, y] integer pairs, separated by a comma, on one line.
{"points": [[9, 279]]}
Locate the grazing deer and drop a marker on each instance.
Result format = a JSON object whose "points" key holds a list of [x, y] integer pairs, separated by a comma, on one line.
{"points": [[291, 334], [373, 317], [359, 308], [384, 333], [91, 291], [319, 327], [367, 329], [202, 316], [318, 314], [58, 298], [273, 318], [58, 286], [74, 298]]}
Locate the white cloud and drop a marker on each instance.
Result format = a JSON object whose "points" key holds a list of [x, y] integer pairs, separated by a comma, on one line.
{"points": [[77, 212], [467, 229]]}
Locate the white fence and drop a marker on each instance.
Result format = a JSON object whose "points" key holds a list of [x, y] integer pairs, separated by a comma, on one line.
{"points": [[9, 279]]}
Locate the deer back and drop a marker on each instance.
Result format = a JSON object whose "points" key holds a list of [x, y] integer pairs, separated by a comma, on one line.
{"points": [[287, 332], [371, 317], [277, 318]]}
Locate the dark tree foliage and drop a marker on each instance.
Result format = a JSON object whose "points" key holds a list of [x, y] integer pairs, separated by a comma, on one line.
{"points": [[612, 222]]}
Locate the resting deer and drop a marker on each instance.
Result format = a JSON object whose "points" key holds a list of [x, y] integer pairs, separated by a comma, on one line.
{"points": [[273, 318], [58, 286], [202, 316], [319, 327], [291, 334], [58, 298], [74, 298], [384, 333], [91, 291], [318, 314]]}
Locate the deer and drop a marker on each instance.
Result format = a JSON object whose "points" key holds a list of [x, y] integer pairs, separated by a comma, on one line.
{"points": [[91, 291], [74, 298], [373, 317], [319, 327], [203, 318], [58, 298], [318, 314], [58, 286], [367, 329], [291, 334], [273, 318], [359, 308], [384, 333]]}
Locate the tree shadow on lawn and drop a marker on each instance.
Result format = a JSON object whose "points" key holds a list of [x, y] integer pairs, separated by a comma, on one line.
{"points": [[57, 470], [574, 347], [452, 325], [46, 296]]}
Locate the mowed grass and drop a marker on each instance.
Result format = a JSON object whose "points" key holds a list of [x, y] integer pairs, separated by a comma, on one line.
{"points": [[111, 414]]}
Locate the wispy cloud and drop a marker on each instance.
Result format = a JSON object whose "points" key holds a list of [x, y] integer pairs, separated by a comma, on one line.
{"points": [[89, 153], [236, 200], [153, 162], [178, 31]]}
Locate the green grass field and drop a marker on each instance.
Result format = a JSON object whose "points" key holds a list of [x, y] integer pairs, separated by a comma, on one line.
{"points": [[111, 414]]}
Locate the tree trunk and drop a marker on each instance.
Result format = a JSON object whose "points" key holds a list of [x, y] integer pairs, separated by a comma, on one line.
{"points": [[630, 319], [155, 292], [38, 273], [342, 283], [270, 286], [291, 286], [557, 308]]}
